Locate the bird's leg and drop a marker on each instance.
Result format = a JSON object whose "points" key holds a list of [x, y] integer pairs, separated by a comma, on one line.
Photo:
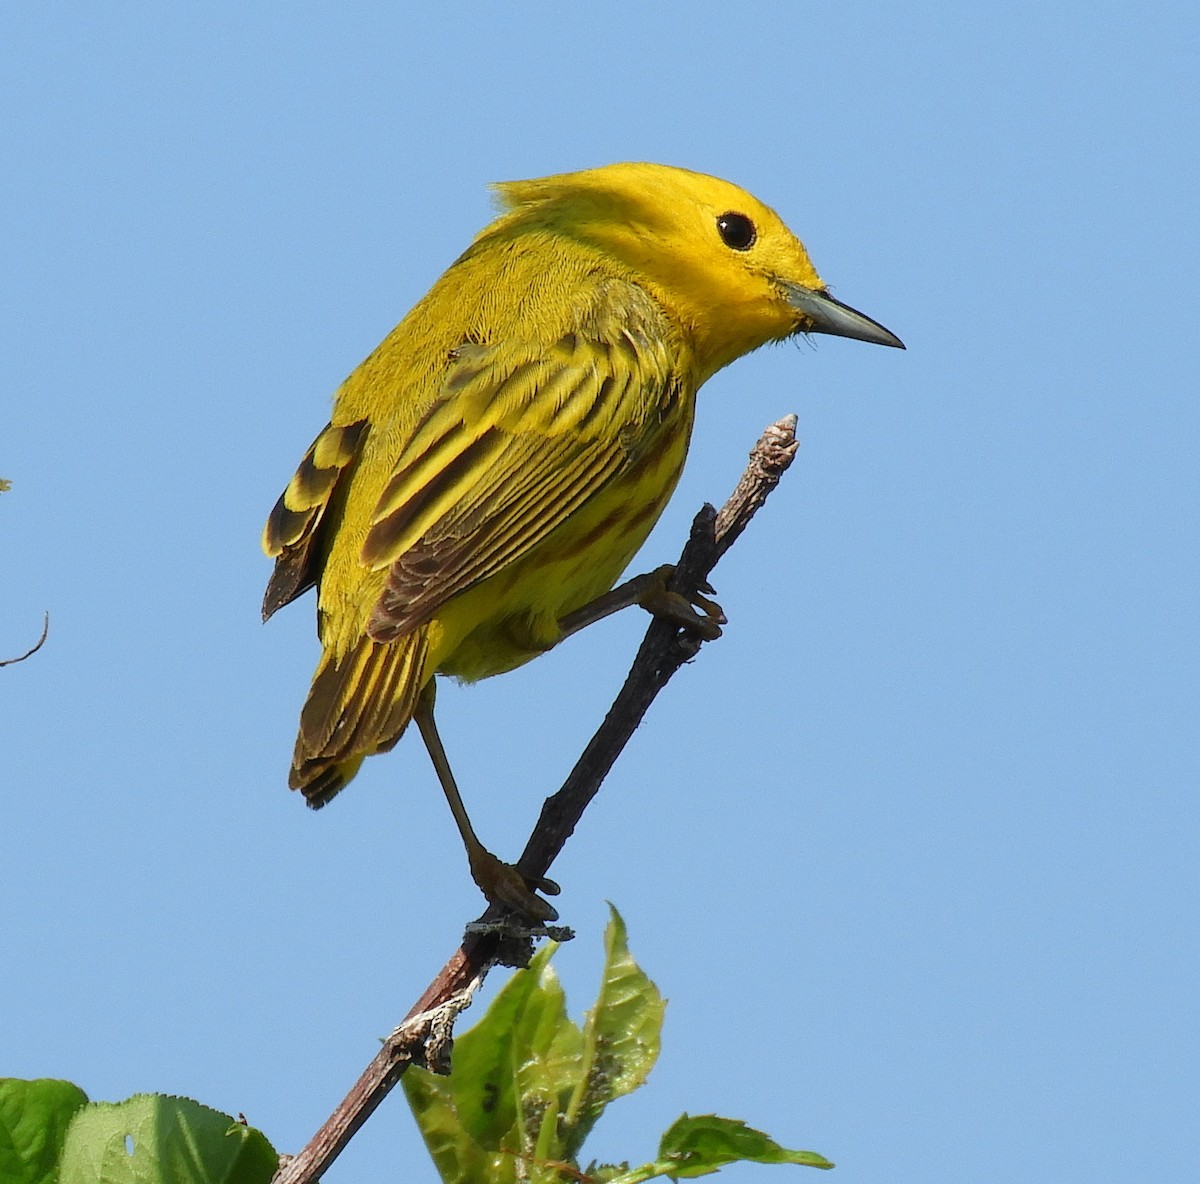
{"points": [[651, 592], [500, 882]]}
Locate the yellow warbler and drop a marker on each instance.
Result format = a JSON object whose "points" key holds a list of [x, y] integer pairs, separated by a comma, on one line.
{"points": [[493, 466]]}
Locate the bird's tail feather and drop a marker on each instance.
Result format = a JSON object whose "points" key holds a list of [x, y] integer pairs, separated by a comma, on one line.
{"points": [[359, 704]]}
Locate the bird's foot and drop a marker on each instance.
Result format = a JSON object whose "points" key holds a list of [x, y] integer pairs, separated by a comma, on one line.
{"points": [[504, 885], [656, 598]]}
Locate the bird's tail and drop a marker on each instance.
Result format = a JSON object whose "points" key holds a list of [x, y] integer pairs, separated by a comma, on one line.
{"points": [[359, 704]]}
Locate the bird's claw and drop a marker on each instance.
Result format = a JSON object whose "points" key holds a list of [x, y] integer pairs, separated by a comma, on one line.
{"points": [[504, 885], [681, 610]]}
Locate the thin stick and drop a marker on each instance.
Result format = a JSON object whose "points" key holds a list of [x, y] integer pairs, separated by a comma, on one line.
{"points": [[40, 642], [424, 1036]]}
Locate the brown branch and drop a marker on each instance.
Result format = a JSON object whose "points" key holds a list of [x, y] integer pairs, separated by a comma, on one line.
{"points": [[38, 645], [425, 1035]]}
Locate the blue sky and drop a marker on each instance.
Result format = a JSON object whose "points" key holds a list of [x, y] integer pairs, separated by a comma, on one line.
{"points": [[911, 850]]}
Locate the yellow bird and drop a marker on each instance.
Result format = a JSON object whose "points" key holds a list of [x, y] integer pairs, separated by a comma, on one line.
{"points": [[497, 461]]}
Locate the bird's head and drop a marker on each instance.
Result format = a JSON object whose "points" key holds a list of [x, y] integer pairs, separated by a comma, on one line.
{"points": [[725, 265]]}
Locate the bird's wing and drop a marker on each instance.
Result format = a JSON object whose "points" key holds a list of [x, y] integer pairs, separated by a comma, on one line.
{"points": [[519, 440], [293, 528]]}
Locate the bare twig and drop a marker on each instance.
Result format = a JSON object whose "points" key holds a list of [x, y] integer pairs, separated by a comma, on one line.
{"points": [[29, 653], [424, 1036], [664, 649]]}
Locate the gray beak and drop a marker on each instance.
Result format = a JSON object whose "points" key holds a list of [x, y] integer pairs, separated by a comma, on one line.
{"points": [[823, 314]]}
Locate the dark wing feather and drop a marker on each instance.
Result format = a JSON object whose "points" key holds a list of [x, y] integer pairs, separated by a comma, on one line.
{"points": [[293, 531]]}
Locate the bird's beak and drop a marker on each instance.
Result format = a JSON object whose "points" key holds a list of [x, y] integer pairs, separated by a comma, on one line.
{"points": [[823, 314]]}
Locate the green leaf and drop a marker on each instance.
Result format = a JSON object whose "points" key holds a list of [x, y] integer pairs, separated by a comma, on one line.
{"points": [[458, 1158], [33, 1124], [527, 1085], [513, 1073], [700, 1145], [153, 1139], [621, 1036], [517, 1028]]}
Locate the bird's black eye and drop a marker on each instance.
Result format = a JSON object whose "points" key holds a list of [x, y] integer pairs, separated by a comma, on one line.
{"points": [[737, 231]]}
